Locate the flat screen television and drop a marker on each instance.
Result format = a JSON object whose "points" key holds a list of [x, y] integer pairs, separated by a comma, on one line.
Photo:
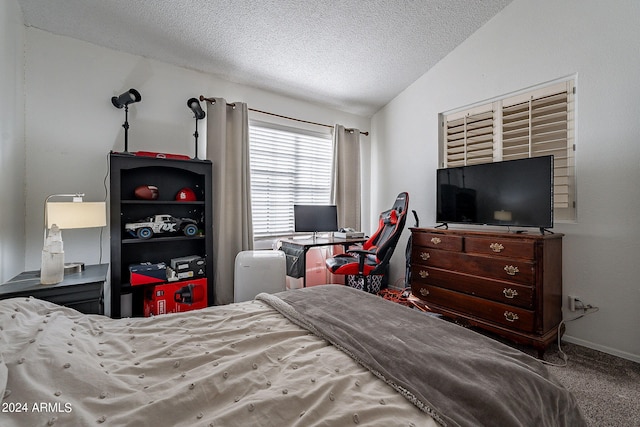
{"points": [[315, 218], [509, 193]]}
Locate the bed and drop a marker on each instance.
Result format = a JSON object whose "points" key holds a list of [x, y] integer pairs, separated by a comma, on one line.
{"points": [[320, 356]]}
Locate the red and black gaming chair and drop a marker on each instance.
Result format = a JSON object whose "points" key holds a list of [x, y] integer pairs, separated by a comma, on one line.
{"points": [[366, 267]]}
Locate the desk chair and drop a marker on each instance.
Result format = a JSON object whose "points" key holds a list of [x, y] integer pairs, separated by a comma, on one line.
{"points": [[366, 267]]}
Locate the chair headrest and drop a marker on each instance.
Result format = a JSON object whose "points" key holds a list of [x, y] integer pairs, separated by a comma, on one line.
{"points": [[401, 202], [390, 217]]}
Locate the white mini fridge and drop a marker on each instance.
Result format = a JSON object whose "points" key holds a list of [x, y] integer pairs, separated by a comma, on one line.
{"points": [[258, 271]]}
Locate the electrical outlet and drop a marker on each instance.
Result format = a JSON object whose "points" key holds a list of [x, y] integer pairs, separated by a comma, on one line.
{"points": [[572, 302]]}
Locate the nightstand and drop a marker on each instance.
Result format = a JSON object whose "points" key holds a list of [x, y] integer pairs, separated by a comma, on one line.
{"points": [[81, 291]]}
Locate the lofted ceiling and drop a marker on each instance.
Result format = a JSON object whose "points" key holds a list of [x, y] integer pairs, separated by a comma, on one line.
{"points": [[352, 55]]}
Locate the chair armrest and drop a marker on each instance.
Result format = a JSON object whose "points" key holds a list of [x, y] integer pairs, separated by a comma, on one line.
{"points": [[360, 251], [362, 255]]}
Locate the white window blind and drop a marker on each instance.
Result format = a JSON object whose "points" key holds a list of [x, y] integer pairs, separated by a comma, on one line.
{"points": [[288, 166], [536, 122]]}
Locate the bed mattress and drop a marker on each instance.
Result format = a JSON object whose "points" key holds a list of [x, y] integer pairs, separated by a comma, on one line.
{"points": [[237, 365], [321, 356]]}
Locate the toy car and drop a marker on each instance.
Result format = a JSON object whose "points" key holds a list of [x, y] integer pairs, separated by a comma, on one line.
{"points": [[160, 224]]}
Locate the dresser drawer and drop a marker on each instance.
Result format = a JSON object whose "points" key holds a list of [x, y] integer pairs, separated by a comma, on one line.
{"points": [[436, 240], [509, 248], [506, 283], [509, 269], [495, 290], [501, 314]]}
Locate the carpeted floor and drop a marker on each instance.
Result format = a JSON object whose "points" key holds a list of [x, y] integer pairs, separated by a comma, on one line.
{"points": [[607, 387]]}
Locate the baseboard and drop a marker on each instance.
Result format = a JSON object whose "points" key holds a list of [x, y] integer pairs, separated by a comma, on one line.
{"points": [[604, 349]]}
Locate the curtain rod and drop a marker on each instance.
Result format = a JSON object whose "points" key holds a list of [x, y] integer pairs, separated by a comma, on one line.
{"points": [[212, 100]]}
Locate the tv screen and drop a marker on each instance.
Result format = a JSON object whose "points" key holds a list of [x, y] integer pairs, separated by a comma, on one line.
{"points": [[315, 218], [511, 193]]}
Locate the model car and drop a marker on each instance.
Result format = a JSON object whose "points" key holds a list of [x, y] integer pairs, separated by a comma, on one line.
{"points": [[161, 224]]}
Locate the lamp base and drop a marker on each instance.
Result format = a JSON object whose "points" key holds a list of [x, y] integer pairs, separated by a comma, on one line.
{"points": [[73, 267]]}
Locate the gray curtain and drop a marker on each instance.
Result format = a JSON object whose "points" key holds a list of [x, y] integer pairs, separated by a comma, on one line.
{"points": [[228, 150], [345, 183]]}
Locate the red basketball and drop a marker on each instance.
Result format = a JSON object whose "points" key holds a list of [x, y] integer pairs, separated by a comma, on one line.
{"points": [[146, 192]]}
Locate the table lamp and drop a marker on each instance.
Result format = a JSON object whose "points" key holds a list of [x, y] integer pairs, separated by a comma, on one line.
{"points": [[60, 216]]}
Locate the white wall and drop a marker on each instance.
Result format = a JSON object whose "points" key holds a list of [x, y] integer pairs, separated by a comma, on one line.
{"points": [[71, 124], [12, 151], [528, 43]]}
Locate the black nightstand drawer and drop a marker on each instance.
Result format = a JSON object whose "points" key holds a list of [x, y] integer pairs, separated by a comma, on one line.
{"points": [[86, 298]]}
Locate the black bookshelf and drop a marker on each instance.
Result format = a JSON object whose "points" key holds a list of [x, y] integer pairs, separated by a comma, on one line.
{"points": [[170, 176]]}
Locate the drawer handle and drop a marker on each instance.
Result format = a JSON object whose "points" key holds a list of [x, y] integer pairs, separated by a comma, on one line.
{"points": [[425, 256], [511, 270], [424, 274], [436, 240], [510, 316], [496, 247], [424, 292], [510, 293]]}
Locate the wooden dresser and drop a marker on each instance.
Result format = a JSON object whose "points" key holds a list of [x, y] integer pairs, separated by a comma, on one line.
{"points": [[507, 283]]}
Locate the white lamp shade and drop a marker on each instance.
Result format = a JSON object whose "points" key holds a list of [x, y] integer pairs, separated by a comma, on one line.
{"points": [[76, 214]]}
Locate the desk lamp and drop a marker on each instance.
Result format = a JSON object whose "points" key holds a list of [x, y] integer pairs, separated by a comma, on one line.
{"points": [[60, 216]]}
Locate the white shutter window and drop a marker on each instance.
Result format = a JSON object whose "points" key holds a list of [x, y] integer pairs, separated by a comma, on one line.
{"points": [[536, 122], [288, 166], [541, 125], [469, 137]]}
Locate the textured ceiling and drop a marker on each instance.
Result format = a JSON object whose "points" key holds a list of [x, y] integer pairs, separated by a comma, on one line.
{"points": [[353, 55]]}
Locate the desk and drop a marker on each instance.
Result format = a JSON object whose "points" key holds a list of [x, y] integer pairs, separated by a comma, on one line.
{"points": [[303, 245], [81, 291]]}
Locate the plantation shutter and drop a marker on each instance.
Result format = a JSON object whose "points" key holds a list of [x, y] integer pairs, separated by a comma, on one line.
{"points": [[534, 123], [288, 166], [469, 138], [543, 125]]}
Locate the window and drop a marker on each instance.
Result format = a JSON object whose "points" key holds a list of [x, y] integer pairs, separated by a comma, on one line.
{"points": [[288, 166], [537, 122]]}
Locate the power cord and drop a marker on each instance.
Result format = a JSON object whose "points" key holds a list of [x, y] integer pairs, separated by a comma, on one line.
{"points": [[106, 195], [586, 309]]}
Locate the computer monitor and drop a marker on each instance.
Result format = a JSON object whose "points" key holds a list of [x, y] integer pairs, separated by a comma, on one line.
{"points": [[315, 218]]}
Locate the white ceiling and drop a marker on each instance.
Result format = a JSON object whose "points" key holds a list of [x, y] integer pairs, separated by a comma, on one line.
{"points": [[353, 55]]}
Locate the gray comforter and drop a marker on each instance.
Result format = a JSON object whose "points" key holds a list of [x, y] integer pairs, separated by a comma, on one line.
{"points": [[459, 377]]}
